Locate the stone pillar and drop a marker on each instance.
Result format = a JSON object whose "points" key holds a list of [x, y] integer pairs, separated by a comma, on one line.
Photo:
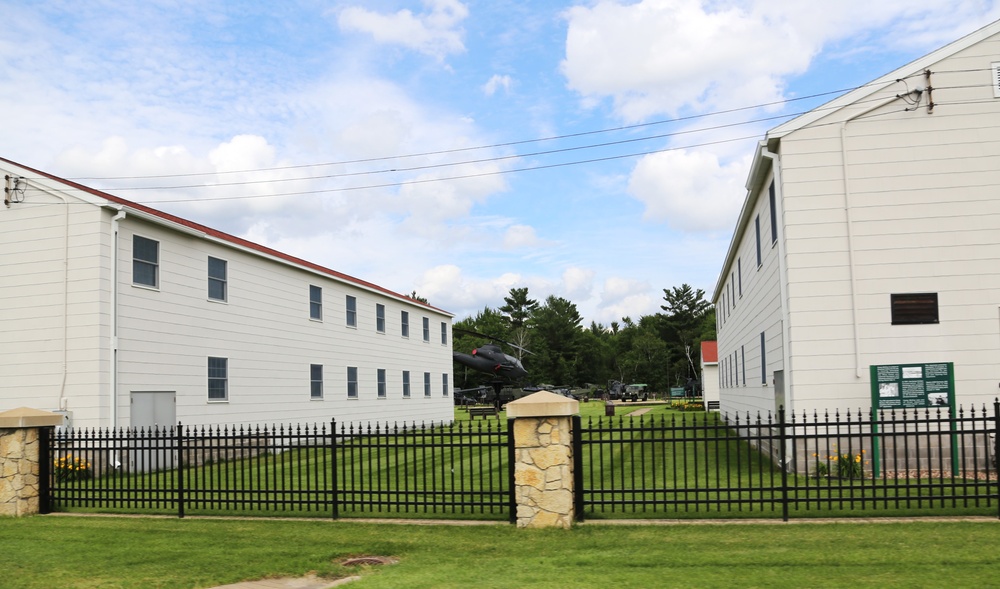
{"points": [[543, 468], [19, 459]]}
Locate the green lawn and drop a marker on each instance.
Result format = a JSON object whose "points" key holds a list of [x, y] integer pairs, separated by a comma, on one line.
{"points": [[68, 552]]}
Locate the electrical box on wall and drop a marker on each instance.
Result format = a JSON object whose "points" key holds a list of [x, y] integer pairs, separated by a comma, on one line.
{"points": [[67, 421]]}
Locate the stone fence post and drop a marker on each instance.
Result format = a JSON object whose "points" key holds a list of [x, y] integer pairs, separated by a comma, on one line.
{"points": [[543, 454], [20, 467]]}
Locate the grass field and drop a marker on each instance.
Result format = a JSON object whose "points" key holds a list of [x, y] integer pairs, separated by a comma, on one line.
{"points": [[71, 552]]}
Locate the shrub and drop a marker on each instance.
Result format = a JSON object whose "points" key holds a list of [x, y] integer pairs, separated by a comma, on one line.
{"points": [[687, 406], [72, 468], [845, 465]]}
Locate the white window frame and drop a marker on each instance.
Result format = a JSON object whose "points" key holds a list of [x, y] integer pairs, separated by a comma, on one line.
{"points": [[380, 379], [351, 307], [380, 317], [404, 323], [315, 303], [406, 384], [352, 382], [218, 378], [427, 329], [427, 384], [316, 382], [220, 281], [138, 262]]}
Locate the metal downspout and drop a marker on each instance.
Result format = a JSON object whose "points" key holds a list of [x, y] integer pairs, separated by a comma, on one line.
{"points": [[113, 351], [65, 304], [779, 213], [850, 232]]}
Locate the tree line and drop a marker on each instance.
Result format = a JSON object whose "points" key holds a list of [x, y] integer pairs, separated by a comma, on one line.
{"points": [[661, 350]]}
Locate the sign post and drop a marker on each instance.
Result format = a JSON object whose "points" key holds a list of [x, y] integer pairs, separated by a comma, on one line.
{"points": [[913, 386]]}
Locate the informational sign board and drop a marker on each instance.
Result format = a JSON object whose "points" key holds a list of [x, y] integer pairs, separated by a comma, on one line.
{"points": [[913, 386], [676, 392]]}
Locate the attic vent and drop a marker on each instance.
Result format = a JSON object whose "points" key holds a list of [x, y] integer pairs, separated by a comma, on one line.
{"points": [[995, 72]]}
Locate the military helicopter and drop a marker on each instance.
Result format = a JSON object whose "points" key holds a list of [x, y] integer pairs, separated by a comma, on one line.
{"points": [[491, 359]]}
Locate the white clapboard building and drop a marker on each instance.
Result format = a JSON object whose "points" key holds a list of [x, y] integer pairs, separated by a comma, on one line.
{"points": [[870, 235], [118, 314]]}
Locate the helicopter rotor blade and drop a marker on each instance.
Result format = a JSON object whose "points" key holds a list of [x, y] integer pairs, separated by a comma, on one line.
{"points": [[491, 338]]}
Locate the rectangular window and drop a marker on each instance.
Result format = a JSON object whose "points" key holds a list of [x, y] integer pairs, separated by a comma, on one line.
{"points": [[444, 384], [756, 228], [914, 308], [145, 261], [733, 283], [216, 279], [381, 383], [743, 360], [352, 382], [774, 213], [427, 384], [739, 273], [406, 384], [315, 381], [444, 333], [315, 302], [763, 360], [404, 323], [736, 369], [352, 311], [218, 379], [380, 318], [427, 329]]}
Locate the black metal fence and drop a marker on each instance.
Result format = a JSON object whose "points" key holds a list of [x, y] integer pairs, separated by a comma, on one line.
{"points": [[890, 463], [321, 470], [697, 464]]}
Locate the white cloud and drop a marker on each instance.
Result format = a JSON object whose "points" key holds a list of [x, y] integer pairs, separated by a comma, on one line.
{"points": [[622, 297], [496, 82], [577, 283], [447, 287], [522, 236], [436, 32], [689, 190], [661, 56]]}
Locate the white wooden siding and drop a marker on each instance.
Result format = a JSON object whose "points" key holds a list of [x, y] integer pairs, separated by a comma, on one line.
{"points": [[925, 218], [757, 310], [265, 331], [51, 319]]}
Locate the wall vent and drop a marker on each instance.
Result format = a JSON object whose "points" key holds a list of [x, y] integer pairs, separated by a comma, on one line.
{"points": [[995, 72]]}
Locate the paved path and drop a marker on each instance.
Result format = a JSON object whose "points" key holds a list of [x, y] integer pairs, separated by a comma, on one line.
{"points": [[639, 412]]}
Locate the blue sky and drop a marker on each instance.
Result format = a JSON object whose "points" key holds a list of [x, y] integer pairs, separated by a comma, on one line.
{"points": [[595, 151]]}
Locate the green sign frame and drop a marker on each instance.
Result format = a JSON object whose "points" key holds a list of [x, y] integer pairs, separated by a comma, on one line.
{"points": [[913, 386]]}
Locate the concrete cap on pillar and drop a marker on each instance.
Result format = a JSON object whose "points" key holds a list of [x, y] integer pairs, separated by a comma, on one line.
{"points": [[26, 417], [543, 404]]}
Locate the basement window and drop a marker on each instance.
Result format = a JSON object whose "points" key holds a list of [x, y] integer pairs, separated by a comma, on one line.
{"points": [[914, 308]]}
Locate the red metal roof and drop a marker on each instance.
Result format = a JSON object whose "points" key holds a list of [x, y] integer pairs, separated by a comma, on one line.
{"points": [[226, 236], [710, 352]]}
